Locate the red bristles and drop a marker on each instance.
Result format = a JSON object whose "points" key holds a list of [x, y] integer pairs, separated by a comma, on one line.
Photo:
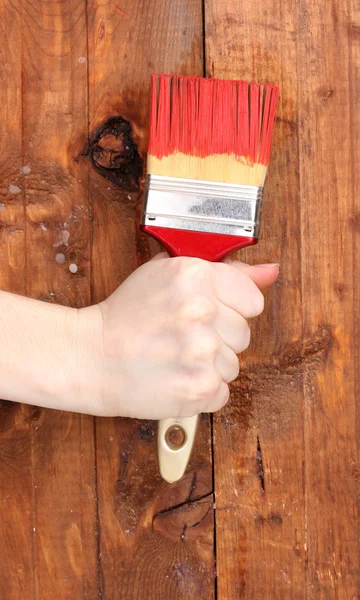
{"points": [[203, 117]]}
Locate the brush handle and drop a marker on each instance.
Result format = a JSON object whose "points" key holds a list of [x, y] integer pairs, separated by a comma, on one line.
{"points": [[208, 246], [176, 436], [175, 441]]}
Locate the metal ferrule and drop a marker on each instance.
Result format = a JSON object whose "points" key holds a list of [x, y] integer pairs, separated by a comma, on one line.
{"points": [[206, 206]]}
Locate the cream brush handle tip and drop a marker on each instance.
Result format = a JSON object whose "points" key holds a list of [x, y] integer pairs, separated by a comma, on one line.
{"points": [[175, 442]]}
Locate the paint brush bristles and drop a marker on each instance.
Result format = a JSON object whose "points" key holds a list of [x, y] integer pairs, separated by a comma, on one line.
{"points": [[210, 129]]}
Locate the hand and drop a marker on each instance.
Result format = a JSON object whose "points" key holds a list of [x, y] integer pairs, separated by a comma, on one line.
{"points": [[171, 334]]}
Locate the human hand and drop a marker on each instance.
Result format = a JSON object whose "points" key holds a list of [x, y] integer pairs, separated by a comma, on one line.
{"points": [[169, 337]]}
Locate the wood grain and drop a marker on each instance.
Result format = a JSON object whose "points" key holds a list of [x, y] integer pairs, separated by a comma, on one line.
{"points": [[259, 437], [57, 224], [291, 534], [16, 521], [156, 540], [286, 448], [327, 126]]}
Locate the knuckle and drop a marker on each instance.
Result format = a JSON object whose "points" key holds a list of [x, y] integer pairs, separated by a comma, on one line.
{"points": [[210, 345], [202, 347], [193, 267], [207, 345], [222, 400], [198, 308], [207, 386]]}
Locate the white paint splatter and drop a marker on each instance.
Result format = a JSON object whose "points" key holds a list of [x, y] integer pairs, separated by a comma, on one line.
{"points": [[63, 241], [82, 60], [128, 197], [34, 528], [52, 294], [286, 577], [14, 189], [43, 227], [25, 170], [73, 268], [60, 258]]}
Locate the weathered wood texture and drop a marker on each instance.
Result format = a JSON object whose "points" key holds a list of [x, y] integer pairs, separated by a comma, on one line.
{"points": [[328, 126], [259, 438], [285, 448], [56, 534], [84, 512], [16, 520], [57, 224]]}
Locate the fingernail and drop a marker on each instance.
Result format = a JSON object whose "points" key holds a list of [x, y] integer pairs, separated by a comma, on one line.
{"points": [[268, 266]]}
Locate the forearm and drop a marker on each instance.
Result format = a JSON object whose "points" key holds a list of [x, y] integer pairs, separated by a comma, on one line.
{"points": [[42, 354]]}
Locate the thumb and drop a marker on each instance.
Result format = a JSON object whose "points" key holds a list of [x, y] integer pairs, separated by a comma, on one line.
{"points": [[262, 275]]}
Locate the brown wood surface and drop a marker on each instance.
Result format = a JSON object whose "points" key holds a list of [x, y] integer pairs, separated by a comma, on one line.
{"points": [[84, 511], [259, 437], [16, 521], [329, 303]]}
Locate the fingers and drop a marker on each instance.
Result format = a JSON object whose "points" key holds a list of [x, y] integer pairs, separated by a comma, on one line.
{"points": [[237, 291], [210, 365], [208, 394], [200, 348], [220, 399], [206, 351], [232, 329], [227, 364], [262, 275]]}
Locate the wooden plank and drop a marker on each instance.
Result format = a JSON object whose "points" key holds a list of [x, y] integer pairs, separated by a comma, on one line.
{"points": [[354, 84], [156, 540], [330, 209], [57, 231], [16, 518], [258, 438]]}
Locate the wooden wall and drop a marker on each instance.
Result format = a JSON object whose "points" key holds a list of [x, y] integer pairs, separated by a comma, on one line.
{"points": [[269, 505]]}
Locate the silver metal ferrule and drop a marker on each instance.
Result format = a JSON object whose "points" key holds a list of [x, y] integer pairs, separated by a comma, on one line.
{"points": [[206, 206]]}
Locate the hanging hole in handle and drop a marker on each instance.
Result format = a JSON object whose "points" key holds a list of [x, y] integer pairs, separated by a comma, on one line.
{"points": [[175, 438]]}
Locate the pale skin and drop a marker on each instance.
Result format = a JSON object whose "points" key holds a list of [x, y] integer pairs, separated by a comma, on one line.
{"points": [[164, 344]]}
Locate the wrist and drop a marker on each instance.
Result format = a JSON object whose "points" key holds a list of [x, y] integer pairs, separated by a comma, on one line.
{"points": [[90, 361]]}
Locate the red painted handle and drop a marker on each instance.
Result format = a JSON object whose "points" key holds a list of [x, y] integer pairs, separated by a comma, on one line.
{"points": [[208, 246]]}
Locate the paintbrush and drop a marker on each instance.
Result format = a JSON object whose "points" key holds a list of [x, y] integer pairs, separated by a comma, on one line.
{"points": [[209, 148]]}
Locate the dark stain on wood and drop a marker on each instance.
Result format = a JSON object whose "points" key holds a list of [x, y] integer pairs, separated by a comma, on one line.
{"points": [[325, 94], [310, 351], [260, 466], [355, 221], [114, 154], [273, 520], [146, 431]]}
